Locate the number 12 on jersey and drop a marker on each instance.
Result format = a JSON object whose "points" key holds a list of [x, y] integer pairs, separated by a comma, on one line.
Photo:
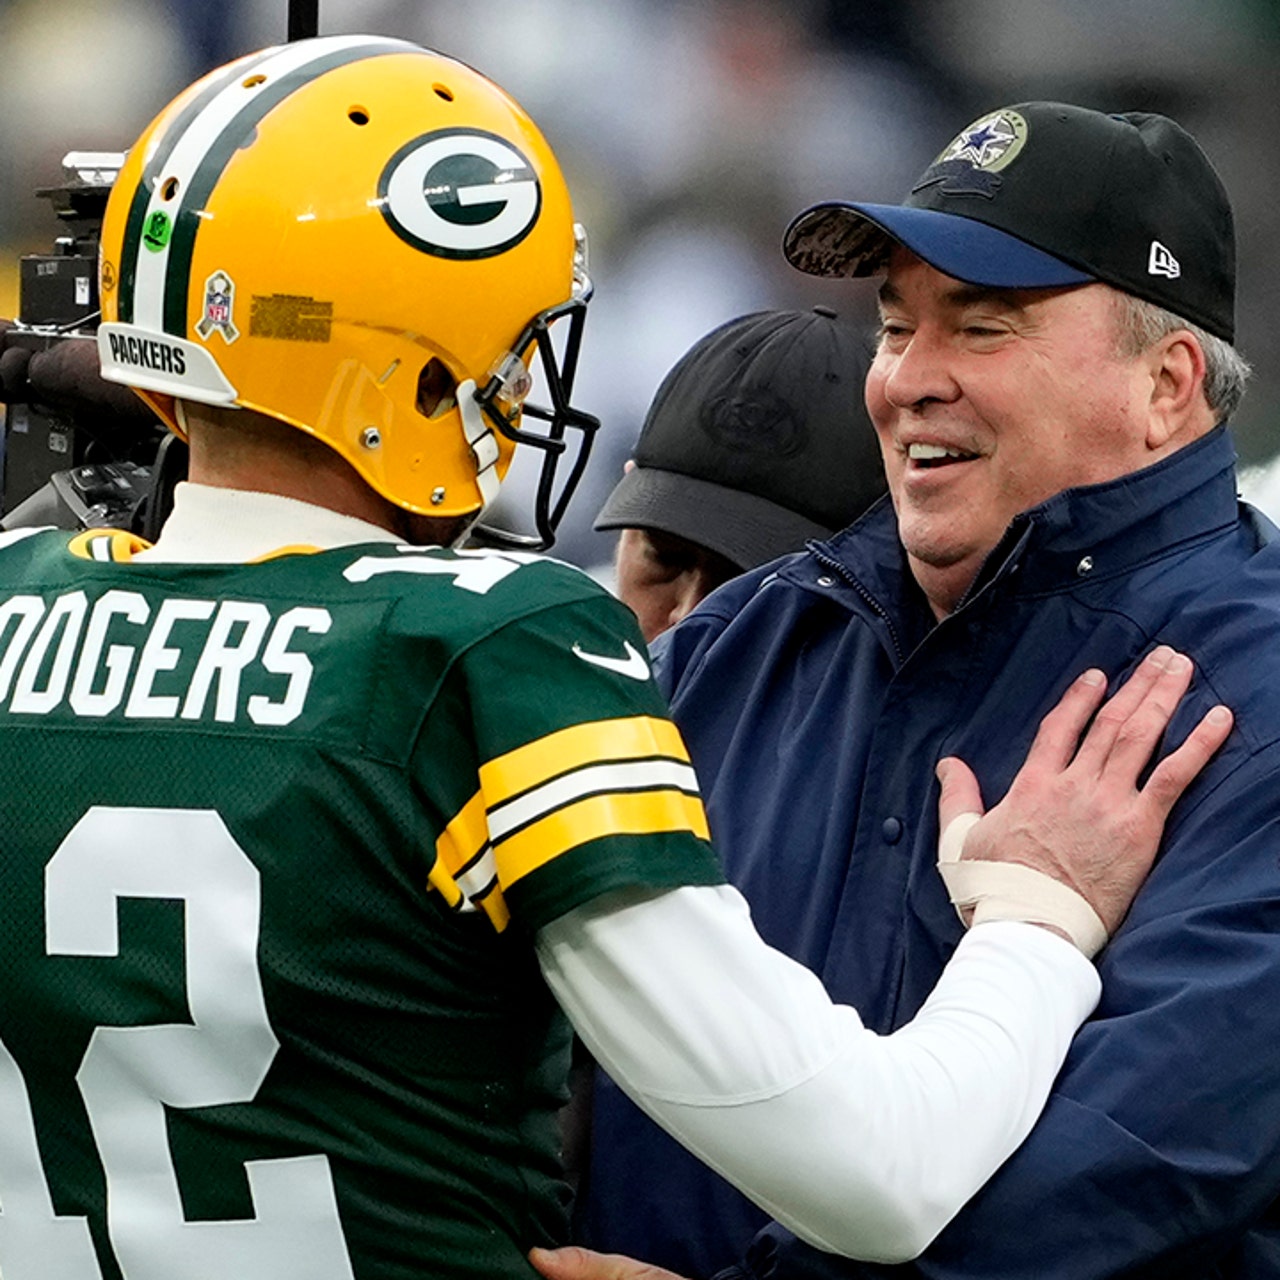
{"points": [[130, 1074]]}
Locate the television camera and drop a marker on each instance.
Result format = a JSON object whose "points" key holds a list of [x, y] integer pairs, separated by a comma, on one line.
{"points": [[76, 452]]}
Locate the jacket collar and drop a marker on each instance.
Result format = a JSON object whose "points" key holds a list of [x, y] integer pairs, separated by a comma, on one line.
{"points": [[1094, 532]]}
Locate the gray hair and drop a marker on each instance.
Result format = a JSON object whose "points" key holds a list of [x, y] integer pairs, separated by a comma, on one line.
{"points": [[1142, 324]]}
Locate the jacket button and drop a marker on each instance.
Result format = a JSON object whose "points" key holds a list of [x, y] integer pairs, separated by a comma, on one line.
{"points": [[891, 829], [826, 582]]}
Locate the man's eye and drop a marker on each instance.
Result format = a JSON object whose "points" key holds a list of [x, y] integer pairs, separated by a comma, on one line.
{"points": [[664, 561], [984, 328], [671, 563]]}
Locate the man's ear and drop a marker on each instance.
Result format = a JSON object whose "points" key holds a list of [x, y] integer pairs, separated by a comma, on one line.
{"points": [[1177, 368]]}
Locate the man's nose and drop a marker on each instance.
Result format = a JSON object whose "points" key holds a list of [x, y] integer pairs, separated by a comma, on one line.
{"points": [[920, 371]]}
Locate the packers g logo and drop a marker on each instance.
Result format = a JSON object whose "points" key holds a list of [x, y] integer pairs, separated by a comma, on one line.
{"points": [[460, 193]]}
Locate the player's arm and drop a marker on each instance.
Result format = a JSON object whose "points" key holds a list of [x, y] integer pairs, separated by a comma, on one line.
{"points": [[867, 1145], [1158, 1147]]}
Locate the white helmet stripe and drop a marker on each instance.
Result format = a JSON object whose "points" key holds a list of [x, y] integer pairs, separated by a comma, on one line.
{"points": [[154, 248]]}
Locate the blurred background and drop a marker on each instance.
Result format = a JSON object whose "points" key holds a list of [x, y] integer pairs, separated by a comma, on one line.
{"points": [[691, 131]]}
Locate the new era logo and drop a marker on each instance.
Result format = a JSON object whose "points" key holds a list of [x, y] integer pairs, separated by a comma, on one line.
{"points": [[1160, 262]]}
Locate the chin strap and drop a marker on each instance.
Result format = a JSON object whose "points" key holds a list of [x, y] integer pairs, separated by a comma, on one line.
{"points": [[1011, 891], [484, 444]]}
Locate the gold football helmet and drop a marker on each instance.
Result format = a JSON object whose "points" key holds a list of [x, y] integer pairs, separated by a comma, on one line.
{"points": [[366, 240]]}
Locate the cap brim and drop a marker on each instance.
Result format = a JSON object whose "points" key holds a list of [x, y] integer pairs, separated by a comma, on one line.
{"points": [[742, 527], [839, 239]]}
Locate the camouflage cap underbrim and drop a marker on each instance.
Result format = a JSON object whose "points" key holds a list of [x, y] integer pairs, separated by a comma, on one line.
{"points": [[834, 240]]}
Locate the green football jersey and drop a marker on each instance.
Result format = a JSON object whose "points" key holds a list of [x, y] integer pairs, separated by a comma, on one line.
{"points": [[274, 841]]}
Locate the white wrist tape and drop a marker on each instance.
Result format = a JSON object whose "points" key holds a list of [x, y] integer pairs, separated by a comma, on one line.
{"points": [[1011, 891]]}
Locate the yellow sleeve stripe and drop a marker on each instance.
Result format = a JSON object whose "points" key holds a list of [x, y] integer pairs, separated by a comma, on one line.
{"points": [[628, 738], [489, 899], [463, 872], [494, 905], [579, 774], [633, 813], [464, 837], [444, 884]]}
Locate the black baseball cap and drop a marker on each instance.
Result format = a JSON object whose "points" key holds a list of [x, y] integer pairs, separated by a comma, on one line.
{"points": [[1044, 194], [757, 440]]}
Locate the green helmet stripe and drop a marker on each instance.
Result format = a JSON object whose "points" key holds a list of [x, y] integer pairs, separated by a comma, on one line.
{"points": [[155, 166], [129, 250], [168, 203], [187, 223]]}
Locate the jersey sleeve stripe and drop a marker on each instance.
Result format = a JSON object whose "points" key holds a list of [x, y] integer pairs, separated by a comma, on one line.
{"points": [[493, 904], [631, 813], [562, 752], [627, 776], [479, 877], [475, 889], [640, 775], [446, 886], [464, 838]]}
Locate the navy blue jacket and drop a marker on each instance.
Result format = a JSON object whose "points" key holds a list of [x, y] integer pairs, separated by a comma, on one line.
{"points": [[816, 696]]}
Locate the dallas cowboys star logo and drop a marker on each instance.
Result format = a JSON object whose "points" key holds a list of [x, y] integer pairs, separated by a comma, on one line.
{"points": [[982, 143]]}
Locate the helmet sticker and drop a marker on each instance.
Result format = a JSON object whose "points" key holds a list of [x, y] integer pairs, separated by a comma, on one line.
{"points": [[192, 153], [219, 299], [291, 317], [158, 230], [460, 193]]}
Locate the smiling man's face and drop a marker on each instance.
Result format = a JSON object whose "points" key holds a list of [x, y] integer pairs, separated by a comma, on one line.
{"points": [[987, 402]]}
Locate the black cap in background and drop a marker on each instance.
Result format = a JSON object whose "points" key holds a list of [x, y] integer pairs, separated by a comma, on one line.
{"points": [[757, 440]]}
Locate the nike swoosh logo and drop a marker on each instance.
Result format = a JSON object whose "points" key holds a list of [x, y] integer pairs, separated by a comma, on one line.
{"points": [[633, 665]]}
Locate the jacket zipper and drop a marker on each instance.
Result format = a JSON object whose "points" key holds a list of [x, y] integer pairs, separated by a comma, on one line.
{"points": [[844, 574]]}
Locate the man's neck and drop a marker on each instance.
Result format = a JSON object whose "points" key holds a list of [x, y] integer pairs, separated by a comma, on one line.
{"points": [[266, 456]]}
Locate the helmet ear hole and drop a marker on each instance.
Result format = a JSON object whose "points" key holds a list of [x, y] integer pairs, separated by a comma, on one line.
{"points": [[437, 389]]}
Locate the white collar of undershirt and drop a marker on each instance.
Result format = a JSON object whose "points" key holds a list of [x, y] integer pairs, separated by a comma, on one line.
{"points": [[210, 525]]}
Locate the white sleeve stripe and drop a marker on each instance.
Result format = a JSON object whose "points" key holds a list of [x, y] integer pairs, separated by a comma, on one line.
{"points": [[594, 779], [479, 875]]}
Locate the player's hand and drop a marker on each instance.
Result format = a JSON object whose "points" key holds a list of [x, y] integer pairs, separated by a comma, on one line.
{"points": [[1075, 811], [572, 1263]]}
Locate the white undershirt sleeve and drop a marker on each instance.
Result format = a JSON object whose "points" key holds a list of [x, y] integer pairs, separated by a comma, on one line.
{"points": [[863, 1145]]}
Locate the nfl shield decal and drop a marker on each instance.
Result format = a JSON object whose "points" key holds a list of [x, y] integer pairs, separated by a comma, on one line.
{"points": [[219, 299]]}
